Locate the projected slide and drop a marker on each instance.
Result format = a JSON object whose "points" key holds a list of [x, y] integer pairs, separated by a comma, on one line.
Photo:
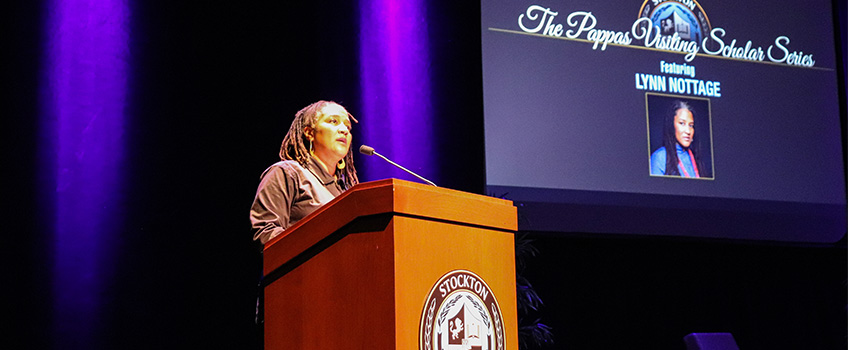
{"points": [[617, 117]]}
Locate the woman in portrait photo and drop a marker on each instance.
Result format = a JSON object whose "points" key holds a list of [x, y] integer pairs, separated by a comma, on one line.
{"points": [[679, 154]]}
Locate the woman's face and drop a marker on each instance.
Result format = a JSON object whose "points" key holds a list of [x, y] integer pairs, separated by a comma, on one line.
{"points": [[331, 135], [684, 127]]}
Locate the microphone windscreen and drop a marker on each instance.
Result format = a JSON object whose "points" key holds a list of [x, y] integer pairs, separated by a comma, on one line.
{"points": [[366, 150]]}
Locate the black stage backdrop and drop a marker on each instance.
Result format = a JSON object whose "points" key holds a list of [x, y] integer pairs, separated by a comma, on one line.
{"points": [[212, 90]]}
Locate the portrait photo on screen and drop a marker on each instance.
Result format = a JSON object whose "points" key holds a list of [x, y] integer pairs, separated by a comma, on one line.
{"points": [[682, 124]]}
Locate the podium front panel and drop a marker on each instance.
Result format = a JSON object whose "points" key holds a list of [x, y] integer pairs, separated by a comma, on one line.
{"points": [[426, 250]]}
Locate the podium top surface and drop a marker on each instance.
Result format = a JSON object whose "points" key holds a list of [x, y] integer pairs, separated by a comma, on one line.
{"points": [[397, 197]]}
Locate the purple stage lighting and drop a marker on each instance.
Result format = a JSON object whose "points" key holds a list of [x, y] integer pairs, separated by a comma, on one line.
{"points": [[84, 93], [395, 84]]}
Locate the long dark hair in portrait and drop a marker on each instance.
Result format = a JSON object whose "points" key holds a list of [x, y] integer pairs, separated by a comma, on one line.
{"points": [[670, 140], [296, 146]]}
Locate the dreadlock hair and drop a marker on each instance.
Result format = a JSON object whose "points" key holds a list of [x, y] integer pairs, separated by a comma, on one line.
{"points": [[670, 140], [296, 146]]}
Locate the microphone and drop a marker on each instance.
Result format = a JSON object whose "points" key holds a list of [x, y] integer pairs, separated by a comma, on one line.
{"points": [[368, 151]]}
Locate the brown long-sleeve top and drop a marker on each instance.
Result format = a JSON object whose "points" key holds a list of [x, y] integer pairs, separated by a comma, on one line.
{"points": [[287, 193]]}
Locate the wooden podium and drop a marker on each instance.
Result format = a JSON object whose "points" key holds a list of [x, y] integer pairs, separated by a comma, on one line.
{"points": [[356, 274]]}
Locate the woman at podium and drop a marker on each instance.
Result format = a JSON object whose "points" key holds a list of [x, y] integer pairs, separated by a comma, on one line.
{"points": [[316, 166]]}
